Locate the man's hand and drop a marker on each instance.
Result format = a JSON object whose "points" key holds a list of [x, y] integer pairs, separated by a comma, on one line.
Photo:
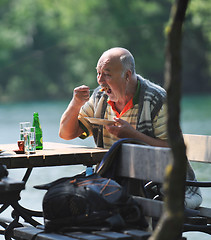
{"points": [[69, 125], [81, 95], [121, 129]]}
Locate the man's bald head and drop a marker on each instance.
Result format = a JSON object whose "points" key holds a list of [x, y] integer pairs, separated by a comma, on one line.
{"points": [[122, 55]]}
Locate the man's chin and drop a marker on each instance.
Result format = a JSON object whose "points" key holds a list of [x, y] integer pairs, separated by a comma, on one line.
{"points": [[112, 97]]}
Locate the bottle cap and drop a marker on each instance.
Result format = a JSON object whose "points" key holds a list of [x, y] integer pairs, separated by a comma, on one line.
{"points": [[89, 171]]}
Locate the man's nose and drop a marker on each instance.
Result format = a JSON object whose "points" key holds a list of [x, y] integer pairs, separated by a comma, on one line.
{"points": [[100, 78]]}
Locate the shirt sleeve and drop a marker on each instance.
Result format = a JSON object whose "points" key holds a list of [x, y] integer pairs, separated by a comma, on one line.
{"points": [[160, 123]]}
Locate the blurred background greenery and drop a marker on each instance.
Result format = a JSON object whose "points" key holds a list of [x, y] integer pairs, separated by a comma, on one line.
{"points": [[48, 47]]}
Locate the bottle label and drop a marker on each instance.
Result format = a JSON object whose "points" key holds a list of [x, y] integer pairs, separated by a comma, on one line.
{"points": [[39, 142]]}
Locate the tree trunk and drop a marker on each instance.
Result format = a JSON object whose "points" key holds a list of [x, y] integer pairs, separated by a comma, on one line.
{"points": [[171, 222]]}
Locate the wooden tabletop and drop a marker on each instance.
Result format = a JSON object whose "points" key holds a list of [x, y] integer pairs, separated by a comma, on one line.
{"points": [[53, 154]]}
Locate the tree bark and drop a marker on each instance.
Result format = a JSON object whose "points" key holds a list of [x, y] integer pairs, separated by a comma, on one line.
{"points": [[171, 222]]}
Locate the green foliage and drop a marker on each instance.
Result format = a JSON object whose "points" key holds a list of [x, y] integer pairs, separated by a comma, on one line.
{"points": [[48, 47], [197, 48]]}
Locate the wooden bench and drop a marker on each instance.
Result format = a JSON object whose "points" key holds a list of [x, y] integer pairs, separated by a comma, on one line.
{"points": [[148, 163], [140, 162], [38, 234]]}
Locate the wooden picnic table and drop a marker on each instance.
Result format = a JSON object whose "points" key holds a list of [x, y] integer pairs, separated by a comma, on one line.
{"points": [[53, 154]]}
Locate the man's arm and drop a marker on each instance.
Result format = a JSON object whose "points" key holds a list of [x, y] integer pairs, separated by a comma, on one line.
{"points": [[123, 129], [69, 124]]}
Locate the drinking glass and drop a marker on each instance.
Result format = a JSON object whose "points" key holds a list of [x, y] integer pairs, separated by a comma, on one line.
{"points": [[29, 140], [23, 125]]}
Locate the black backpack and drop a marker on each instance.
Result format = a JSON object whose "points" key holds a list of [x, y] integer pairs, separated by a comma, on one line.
{"points": [[89, 203], [92, 202]]}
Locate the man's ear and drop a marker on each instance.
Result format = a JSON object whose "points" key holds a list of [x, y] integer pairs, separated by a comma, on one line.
{"points": [[128, 75]]}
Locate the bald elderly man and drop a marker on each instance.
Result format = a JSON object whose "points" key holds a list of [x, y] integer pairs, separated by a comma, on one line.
{"points": [[136, 105]]}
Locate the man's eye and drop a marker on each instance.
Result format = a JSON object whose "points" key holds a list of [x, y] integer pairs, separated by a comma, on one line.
{"points": [[107, 75]]}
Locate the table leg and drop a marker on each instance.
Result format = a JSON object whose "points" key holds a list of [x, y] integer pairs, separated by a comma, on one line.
{"points": [[27, 174], [8, 233], [11, 198], [26, 214]]}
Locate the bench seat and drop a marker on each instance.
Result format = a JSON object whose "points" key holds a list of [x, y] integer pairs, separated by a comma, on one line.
{"points": [[29, 233]]}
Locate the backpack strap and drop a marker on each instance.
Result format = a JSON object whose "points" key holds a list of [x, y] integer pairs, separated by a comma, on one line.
{"points": [[108, 165], [115, 221]]}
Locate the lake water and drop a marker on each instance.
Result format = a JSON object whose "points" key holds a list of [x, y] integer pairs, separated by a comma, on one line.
{"points": [[195, 119]]}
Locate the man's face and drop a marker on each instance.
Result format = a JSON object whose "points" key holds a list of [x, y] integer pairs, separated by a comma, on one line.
{"points": [[110, 77]]}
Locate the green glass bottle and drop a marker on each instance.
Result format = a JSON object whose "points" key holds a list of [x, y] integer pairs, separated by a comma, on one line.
{"points": [[38, 132]]}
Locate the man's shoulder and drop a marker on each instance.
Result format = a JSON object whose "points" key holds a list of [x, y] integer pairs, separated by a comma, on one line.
{"points": [[150, 88]]}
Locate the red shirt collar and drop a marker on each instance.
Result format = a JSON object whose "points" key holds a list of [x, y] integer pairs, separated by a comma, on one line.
{"points": [[128, 106]]}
